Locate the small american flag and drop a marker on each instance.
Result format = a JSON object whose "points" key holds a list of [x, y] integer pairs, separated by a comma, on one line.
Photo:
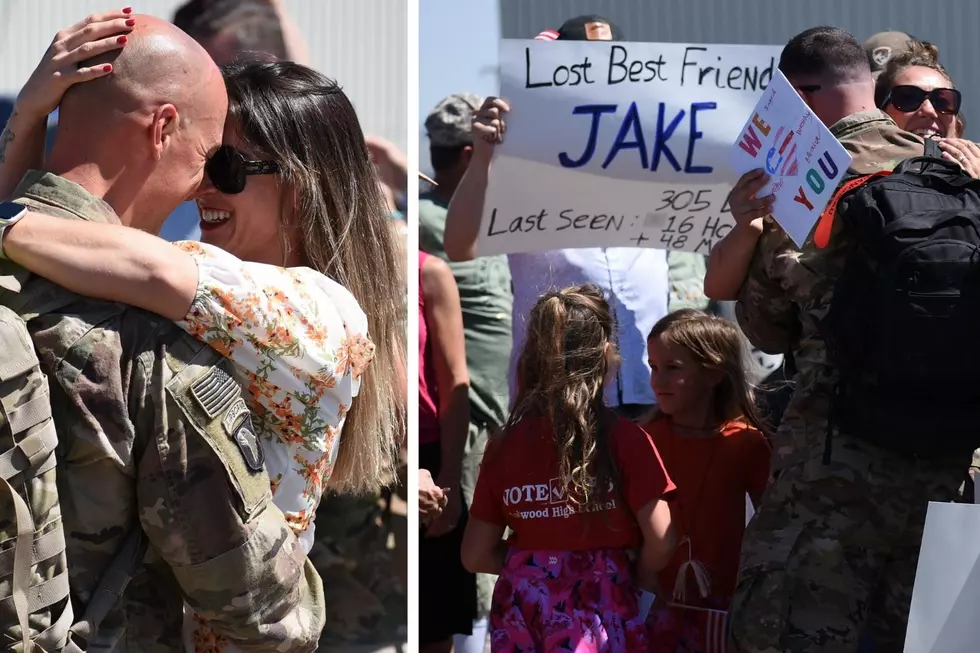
{"points": [[714, 625]]}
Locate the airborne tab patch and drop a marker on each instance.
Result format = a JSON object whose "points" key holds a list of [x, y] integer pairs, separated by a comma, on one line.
{"points": [[237, 423], [215, 391]]}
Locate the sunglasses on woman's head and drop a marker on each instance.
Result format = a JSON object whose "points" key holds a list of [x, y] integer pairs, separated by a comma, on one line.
{"points": [[228, 169], [909, 98]]}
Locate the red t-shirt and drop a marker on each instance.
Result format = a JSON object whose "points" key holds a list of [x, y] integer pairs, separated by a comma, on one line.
{"points": [[713, 475], [518, 487]]}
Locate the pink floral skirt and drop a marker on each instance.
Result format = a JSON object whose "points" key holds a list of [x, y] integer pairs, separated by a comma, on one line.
{"points": [[566, 601]]}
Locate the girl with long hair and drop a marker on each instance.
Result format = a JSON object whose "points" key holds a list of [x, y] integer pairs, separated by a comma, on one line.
{"points": [[709, 433], [579, 487]]}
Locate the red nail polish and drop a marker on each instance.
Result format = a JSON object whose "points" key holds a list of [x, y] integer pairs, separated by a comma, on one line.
{"points": [[122, 40], [107, 68], [130, 22], [128, 10]]}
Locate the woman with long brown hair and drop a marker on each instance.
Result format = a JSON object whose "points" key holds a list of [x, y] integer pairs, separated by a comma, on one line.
{"points": [[579, 486]]}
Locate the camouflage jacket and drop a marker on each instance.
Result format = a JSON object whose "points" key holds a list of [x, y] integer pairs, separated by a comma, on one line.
{"points": [[787, 291], [153, 434]]}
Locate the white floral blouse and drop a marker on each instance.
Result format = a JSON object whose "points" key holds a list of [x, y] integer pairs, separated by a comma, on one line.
{"points": [[299, 344]]}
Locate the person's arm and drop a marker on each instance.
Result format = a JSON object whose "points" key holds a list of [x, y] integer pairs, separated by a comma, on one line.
{"points": [[204, 499], [646, 487], [391, 163], [757, 465], [22, 141], [431, 497], [296, 49], [728, 263], [444, 320], [764, 311], [659, 542], [21, 149], [484, 547], [110, 262], [466, 207]]}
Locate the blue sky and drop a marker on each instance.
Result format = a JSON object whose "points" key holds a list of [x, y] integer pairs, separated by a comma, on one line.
{"points": [[457, 53]]}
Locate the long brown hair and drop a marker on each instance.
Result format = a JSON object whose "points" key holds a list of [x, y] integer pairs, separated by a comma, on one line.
{"points": [[716, 344], [560, 374], [297, 117]]}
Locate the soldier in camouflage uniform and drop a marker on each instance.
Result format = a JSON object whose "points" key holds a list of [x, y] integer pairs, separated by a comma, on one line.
{"points": [[831, 553], [150, 423]]}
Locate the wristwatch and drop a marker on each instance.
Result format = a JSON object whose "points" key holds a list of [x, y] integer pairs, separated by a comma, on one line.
{"points": [[10, 214]]}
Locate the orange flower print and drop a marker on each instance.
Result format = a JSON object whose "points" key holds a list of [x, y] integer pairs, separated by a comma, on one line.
{"points": [[205, 639], [278, 336], [192, 247], [316, 472], [299, 521], [358, 352], [316, 334], [320, 383]]}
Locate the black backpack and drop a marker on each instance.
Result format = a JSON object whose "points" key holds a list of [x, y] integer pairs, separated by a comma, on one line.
{"points": [[903, 329]]}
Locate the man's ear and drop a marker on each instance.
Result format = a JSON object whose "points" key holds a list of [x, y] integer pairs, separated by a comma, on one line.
{"points": [[166, 122]]}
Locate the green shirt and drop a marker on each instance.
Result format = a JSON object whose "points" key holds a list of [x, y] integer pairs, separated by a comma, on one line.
{"points": [[487, 302]]}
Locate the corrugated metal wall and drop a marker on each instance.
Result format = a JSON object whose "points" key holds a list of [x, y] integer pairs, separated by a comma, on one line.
{"points": [[360, 43], [951, 24]]}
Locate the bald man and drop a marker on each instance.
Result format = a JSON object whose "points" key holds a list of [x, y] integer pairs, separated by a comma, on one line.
{"points": [[155, 443]]}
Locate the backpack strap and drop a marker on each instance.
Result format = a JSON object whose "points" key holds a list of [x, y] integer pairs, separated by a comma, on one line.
{"points": [[825, 224], [932, 149], [111, 586]]}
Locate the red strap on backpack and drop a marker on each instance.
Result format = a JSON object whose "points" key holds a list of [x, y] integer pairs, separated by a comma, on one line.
{"points": [[825, 224]]}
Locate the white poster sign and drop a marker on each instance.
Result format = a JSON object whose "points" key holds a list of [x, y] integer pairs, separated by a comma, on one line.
{"points": [[805, 163], [612, 144], [946, 596]]}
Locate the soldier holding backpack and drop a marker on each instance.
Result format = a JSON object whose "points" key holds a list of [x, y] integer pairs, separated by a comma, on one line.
{"points": [[877, 309]]}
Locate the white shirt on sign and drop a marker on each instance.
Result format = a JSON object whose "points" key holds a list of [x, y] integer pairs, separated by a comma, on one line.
{"points": [[634, 281]]}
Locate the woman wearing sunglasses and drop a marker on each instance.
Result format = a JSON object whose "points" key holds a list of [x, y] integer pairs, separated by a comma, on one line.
{"points": [[917, 92], [296, 241]]}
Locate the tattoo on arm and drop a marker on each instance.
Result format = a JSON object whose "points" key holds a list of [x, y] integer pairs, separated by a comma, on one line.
{"points": [[5, 139]]}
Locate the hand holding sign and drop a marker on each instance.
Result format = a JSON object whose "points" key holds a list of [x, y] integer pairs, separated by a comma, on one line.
{"points": [[804, 161], [748, 208], [489, 125]]}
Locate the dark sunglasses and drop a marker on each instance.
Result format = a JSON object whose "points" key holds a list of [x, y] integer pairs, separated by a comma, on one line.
{"points": [[909, 98], [228, 169]]}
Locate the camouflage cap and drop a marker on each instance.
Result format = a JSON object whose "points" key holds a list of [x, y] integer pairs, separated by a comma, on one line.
{"points": [[450, 124], [883, 46]]}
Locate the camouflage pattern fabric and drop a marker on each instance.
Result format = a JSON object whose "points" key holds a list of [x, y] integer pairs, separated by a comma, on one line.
{"points": [[450, 123], [787, 292], [360, 573], [685, 274], [832, 549], [152, 430]]}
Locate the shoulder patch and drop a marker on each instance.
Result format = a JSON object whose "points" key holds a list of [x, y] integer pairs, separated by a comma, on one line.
{"points": [[215, 391], [237, 423]]}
